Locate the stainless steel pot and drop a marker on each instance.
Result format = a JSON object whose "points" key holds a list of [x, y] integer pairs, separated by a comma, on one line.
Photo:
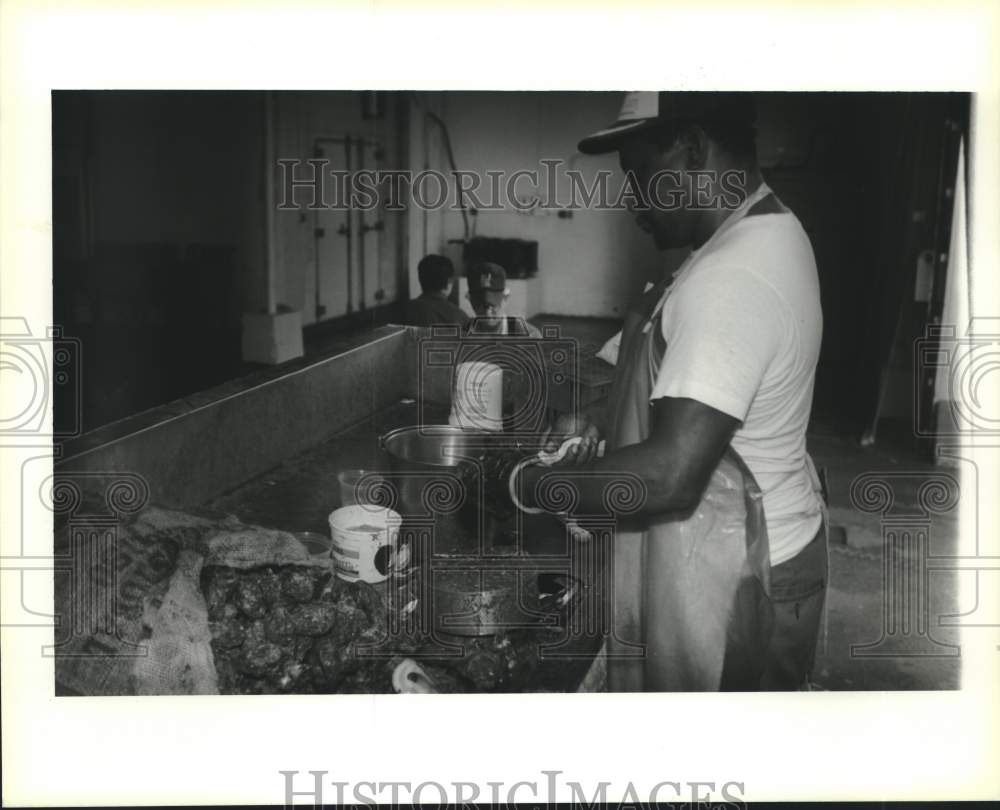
{"points": [[484, 603], [432, 487], [430, 490], [435, 446]]}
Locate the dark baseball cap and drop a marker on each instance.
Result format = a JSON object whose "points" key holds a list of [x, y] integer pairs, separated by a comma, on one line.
{"points": [[647, 110], [486, 277]]}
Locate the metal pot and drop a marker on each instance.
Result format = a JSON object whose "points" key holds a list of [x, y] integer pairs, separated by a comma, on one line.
{"points": [[431, 447], [430, 486], [484, 603]]}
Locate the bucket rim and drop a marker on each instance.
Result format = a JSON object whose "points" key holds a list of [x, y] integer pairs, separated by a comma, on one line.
{"points": [[489, 437], [369, 510]]}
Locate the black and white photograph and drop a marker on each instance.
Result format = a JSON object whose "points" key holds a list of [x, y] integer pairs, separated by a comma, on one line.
{"points": [[506, 391], [421, 393]]}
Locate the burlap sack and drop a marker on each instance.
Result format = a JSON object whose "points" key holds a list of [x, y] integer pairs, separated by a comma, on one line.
{"points": [[130, 616], [179, 651]]}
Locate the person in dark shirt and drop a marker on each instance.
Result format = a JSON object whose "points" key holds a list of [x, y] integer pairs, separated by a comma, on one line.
{"points": [[437, 275]]}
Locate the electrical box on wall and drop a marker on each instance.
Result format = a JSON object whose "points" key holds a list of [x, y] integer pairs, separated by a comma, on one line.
{"points": [[519, 257]]}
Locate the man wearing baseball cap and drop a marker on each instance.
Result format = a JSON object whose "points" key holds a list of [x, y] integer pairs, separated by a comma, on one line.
{"points": [[720, 576], [488, 295]]}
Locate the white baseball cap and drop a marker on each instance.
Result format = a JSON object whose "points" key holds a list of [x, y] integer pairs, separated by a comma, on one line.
{"points": [[643, 110]]}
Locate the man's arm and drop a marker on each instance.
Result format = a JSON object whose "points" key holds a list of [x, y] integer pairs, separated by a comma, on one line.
{"points": [[687, 439]]}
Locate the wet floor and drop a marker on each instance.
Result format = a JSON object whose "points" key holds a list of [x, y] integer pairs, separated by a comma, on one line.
{"points": [[887, 624]]}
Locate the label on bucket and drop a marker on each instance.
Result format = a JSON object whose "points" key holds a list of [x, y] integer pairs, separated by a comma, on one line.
{"points": [[477, 396], [364, 540], [342, 551], [341, 566]]}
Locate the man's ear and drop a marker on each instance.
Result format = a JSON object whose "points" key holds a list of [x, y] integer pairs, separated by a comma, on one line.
{"points": [[694, 140]]}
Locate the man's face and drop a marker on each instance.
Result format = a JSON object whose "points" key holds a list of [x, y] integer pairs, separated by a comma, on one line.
{"points": [[489, 304], [663, 215]]}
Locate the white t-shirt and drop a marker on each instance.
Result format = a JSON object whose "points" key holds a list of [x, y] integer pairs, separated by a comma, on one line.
{"points": [[743, 326]]}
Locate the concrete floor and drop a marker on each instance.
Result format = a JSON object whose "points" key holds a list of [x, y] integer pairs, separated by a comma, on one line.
{"points": [[858, 588]]}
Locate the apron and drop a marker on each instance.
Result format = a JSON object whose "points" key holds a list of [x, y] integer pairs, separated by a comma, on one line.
{"points": [[693, 587]]}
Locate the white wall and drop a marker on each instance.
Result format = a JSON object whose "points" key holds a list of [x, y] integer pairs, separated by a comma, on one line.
{"points": [[589, 265]]}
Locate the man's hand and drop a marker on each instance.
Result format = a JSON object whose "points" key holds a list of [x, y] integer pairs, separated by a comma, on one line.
{"points": [[686, 440], [568, 426]]}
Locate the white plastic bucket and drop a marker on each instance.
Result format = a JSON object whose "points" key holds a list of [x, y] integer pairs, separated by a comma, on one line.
{"points": [[477, 398], [365, 542]]}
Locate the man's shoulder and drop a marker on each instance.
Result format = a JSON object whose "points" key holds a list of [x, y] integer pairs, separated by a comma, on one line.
{"points": [[766, 241], [418, 311], [433, 311], [716, 279], [454, 310], [444, 306], [772, 257], [722, 296]]}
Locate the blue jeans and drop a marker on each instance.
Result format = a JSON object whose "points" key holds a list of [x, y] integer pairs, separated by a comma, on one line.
{"points": [[798, 593]]}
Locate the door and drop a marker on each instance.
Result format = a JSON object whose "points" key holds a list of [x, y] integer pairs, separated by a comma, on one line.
{"points": [[330, 293], [371, 232], [350, 244]]}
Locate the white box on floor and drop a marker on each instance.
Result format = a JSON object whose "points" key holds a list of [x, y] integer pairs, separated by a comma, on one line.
{"points": [[272, 338]]}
